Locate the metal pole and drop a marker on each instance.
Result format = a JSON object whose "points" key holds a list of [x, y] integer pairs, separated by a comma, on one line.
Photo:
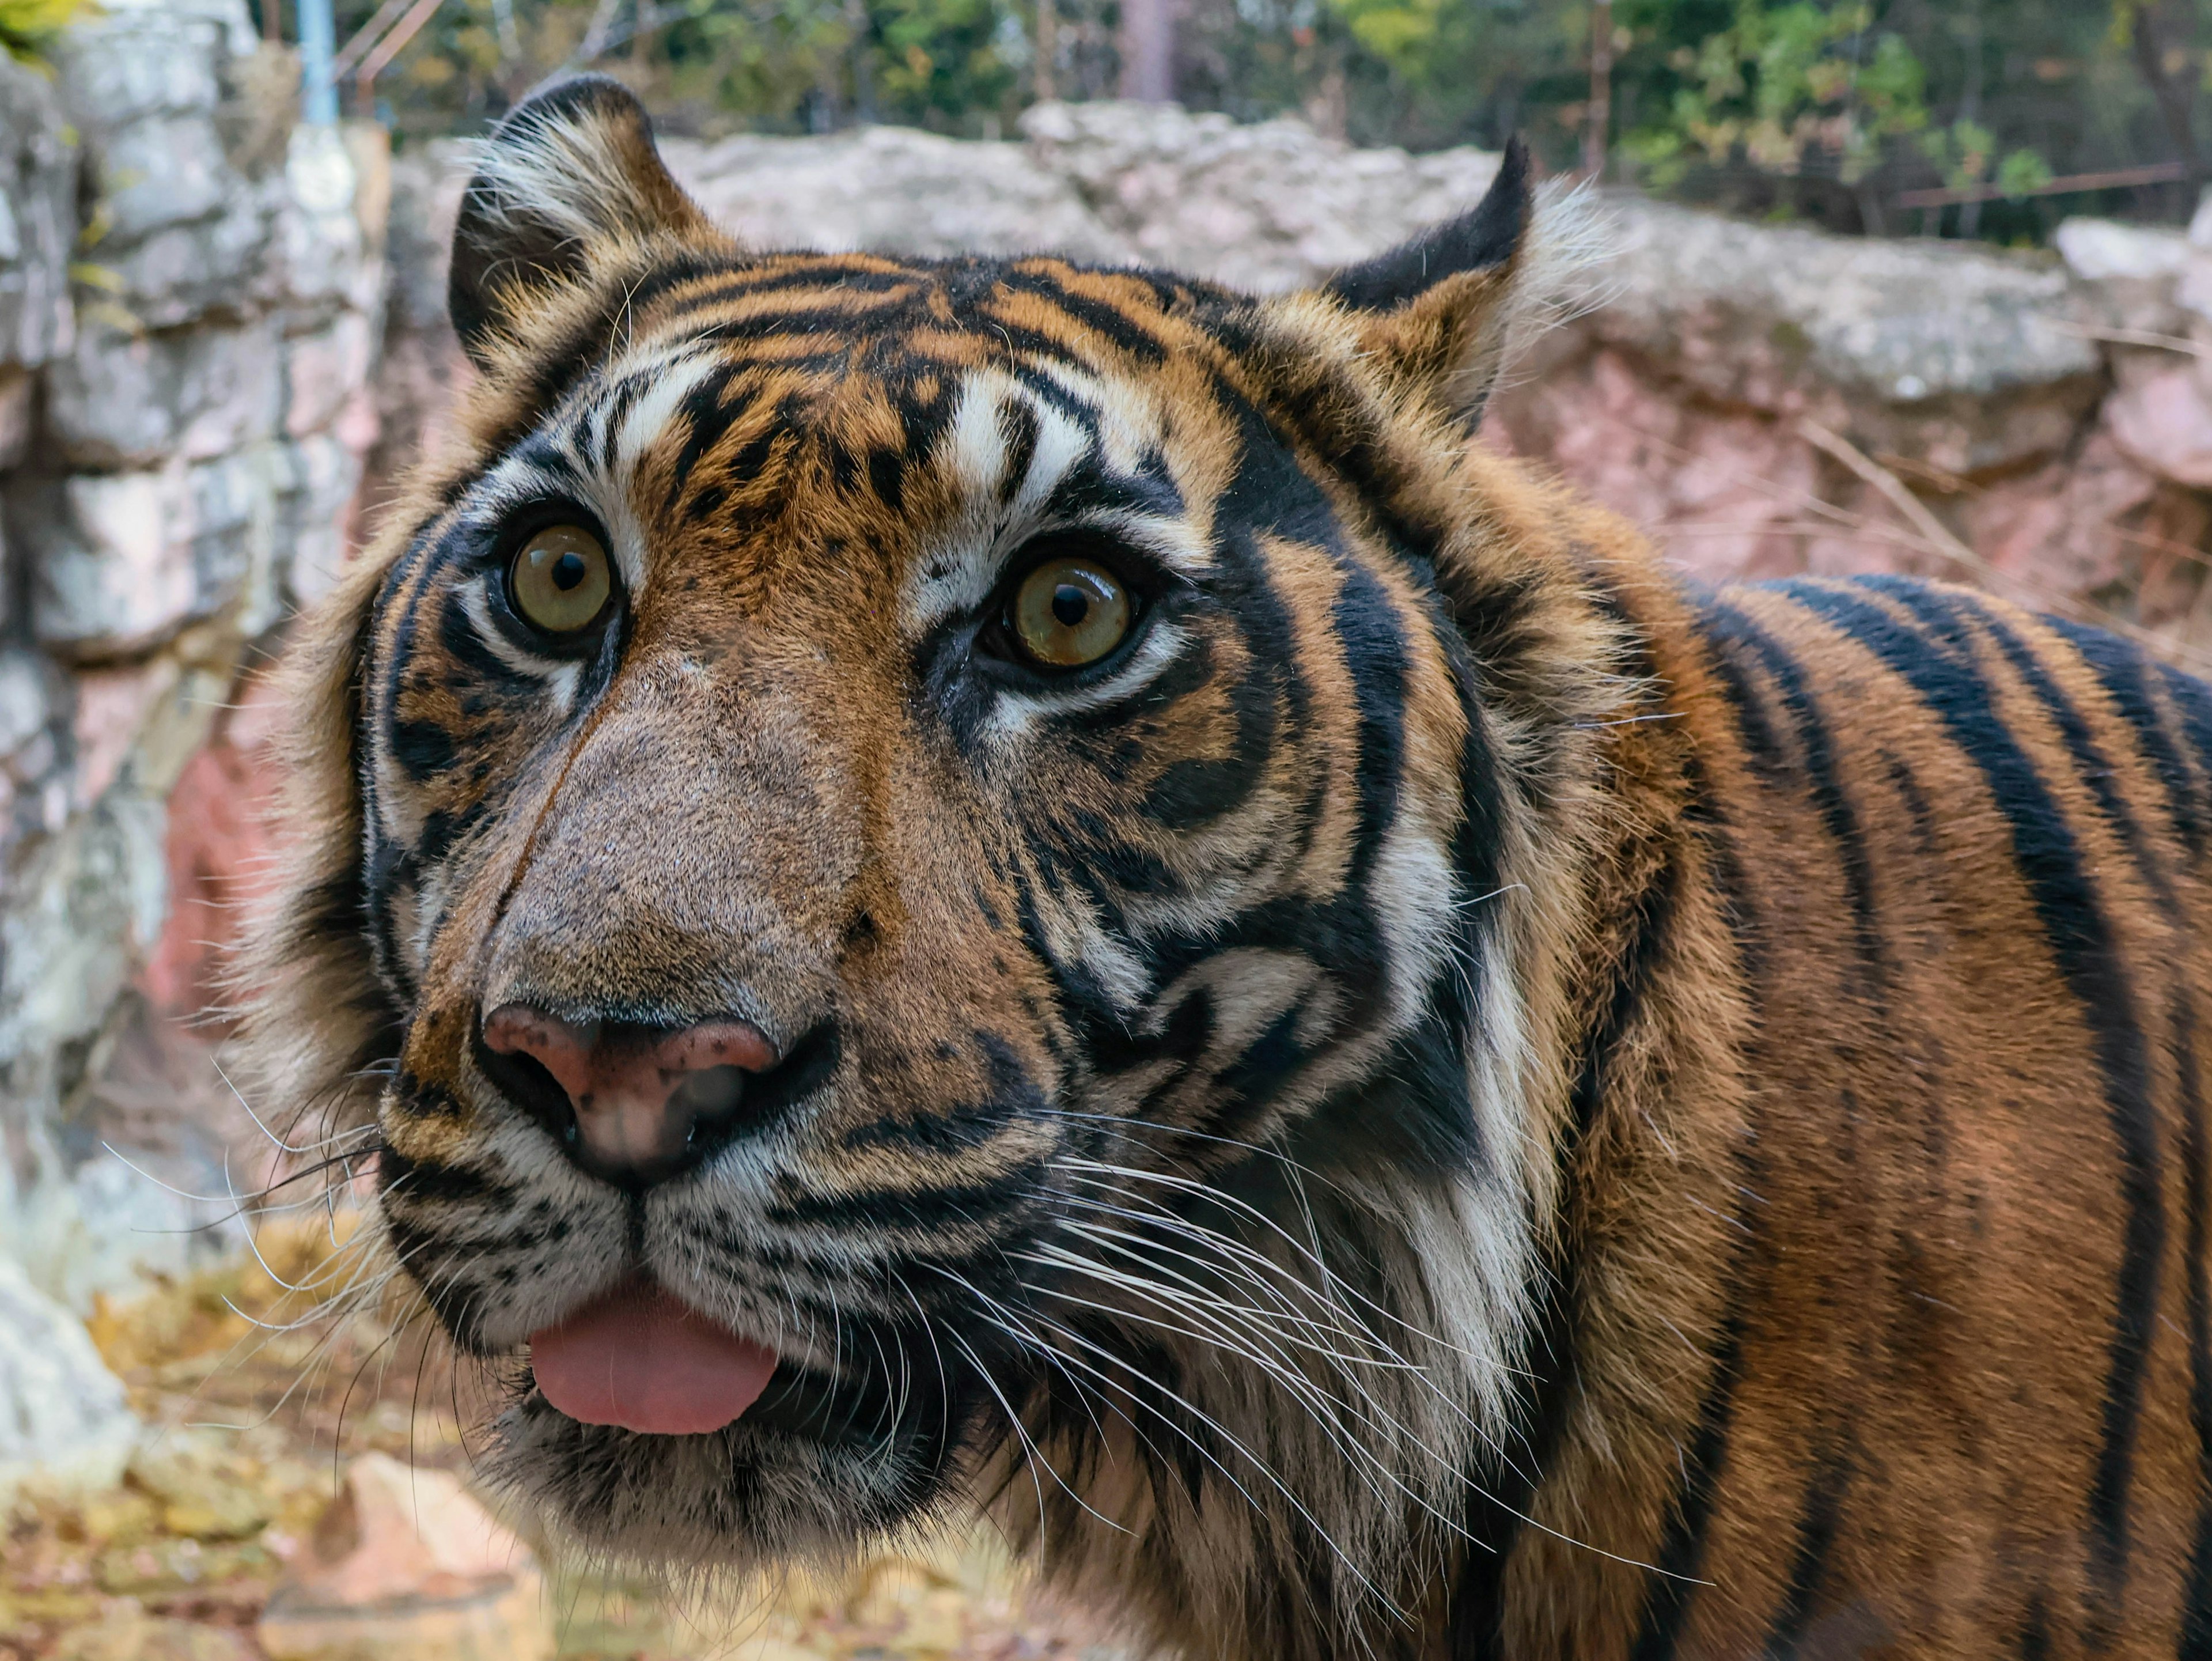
{"points": [[318, 45]]}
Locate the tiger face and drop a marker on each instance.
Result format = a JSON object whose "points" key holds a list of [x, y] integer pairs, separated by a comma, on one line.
{"points": [[908, 848]]}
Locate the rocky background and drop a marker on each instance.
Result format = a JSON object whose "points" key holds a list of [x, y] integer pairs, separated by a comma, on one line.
{"points": [[222, 338]]}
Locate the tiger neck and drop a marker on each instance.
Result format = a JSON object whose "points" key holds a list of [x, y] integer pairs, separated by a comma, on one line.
{"points": [[1631, 971]]}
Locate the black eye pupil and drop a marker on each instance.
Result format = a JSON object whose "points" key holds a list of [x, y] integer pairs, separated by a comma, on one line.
{"points": [[567, 571], [1070, 605]]}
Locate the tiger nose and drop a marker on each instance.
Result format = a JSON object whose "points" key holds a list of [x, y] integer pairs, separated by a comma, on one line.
{"points": [[640, 1101]]}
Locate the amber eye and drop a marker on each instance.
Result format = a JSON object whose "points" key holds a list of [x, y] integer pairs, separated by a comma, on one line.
{"points": [[1069, 612], [560, 579]]}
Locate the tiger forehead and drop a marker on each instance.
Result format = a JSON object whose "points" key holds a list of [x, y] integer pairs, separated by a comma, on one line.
{"points": [[942, 446]]}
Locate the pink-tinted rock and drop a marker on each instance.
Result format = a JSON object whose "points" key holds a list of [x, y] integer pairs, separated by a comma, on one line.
{"points": [[2164, 420], [2060, 530], [1721, 489], [406, 1565], [218, 857]]}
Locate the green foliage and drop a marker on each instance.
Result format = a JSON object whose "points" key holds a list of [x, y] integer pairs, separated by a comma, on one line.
{"points": [[940, 58], [1781, 85], [28, 26]]}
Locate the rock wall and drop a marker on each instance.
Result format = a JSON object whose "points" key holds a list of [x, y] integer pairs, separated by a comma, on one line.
{"points": [[189, 292]]}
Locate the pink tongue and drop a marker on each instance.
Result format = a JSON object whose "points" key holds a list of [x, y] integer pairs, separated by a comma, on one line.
{"points": [[638, 1358]]}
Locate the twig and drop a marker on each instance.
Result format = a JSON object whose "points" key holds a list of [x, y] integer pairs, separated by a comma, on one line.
{"points": [[2172, 343], [1938, 539], [1916, 512], [2158, 172]]}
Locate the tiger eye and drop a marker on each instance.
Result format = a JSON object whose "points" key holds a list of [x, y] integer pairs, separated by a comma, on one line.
{"points": [[560, 579], [1069, 612]]}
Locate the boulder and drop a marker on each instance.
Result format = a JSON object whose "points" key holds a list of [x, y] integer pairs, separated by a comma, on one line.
{"points": [[889, 189], [121, 399], [1263, 207], [2125, 275], [128, 1633], [406, 1566], [37, 217], [2163, 419], [63, 1417]]}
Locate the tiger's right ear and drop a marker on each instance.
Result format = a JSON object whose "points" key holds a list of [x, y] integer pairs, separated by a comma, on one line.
{"points": [[571, 171], [1441, 312]]}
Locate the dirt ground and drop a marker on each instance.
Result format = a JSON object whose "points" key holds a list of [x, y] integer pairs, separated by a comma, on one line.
{"points": [[251, 1428]]}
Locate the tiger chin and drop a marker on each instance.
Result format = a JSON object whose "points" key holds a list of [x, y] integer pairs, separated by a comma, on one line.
{"points": [[992, 886]]}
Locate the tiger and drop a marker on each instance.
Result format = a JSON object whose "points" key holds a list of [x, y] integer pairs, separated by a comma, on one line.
{"points": [[991, 888]]}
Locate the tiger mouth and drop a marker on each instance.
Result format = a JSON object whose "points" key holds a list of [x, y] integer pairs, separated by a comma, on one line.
{"points": [[636, 1360]]}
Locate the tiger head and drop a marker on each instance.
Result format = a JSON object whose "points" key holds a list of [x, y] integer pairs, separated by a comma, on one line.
{"points": [[927, 878]]}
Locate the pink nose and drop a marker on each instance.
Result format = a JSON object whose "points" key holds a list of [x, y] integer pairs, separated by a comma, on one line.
{"points": [[639, 1098]]}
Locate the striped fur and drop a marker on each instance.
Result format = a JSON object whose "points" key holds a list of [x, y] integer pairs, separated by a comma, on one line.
{"points": [[1458, 1099]]}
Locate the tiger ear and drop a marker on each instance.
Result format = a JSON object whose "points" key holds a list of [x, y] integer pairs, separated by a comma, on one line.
{"points": [[1438, 311], [569, 170]]}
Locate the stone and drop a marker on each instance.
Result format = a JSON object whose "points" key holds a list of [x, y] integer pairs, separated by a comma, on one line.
{"points": [[25, 703], [117, 573], [325, 370], [1263, 207], [325, 255], [136, 58], [1749, 313], [160, 171], [406, 1565], [2062, 530], [2107, 250], [17, 393], [127, 1633], [1722, 488], [62, 1412], [205, 1492], [135, 401], [321, 482], [2127, 276], [108, 578], [889, 189], [179, 274], [2164, 420], [38, 218]]}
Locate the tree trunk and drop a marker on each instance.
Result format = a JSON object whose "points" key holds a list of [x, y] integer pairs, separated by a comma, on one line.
{"points": [[1148, 51], [2174, 98], [1048, 50], [1597, 131]]}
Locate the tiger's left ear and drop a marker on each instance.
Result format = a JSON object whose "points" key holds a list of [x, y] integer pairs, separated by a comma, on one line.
{"points": [[570, 174], [1439, 311]]}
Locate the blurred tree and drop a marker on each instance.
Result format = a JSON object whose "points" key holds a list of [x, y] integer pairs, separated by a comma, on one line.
{"points": [[1824, 109]]}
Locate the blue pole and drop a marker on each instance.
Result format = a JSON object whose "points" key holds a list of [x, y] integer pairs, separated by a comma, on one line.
{"points": [[318, 45]]}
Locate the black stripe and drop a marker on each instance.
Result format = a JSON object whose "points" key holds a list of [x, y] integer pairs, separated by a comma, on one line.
{"points": [[1816, 1540], [2125, 674], [928, 1209], [2079, 935], [1761, 745], [2191, 700], [1732, 630], [1674, 1586], [2197, 1609], [1108, 321], [1945, 611], [829, 272]]}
